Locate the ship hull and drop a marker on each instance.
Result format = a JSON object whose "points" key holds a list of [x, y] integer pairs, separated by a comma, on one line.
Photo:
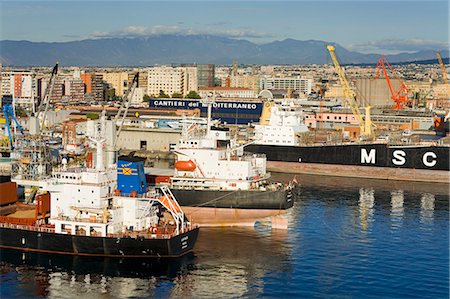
{"points": [[382, 173], [38, 241], [370, 155], [212, 217], [235, 208]]}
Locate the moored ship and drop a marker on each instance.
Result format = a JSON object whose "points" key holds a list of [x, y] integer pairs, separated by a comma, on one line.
{"points": [[95, 211], [220, 185], [280, 140]]}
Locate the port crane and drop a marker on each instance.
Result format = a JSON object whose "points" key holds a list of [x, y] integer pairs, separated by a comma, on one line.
{"points": [[366, 126], [8, 112], [123, 110], [444, 71], [400, 96], [42, 109]]}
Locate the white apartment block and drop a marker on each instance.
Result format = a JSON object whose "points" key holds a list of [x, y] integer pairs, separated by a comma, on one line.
{"points": [[294, 83], [228, 92], [171, 80]]}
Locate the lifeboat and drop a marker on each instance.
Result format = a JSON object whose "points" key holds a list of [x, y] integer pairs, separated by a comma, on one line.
{"points": [[185, 165]]}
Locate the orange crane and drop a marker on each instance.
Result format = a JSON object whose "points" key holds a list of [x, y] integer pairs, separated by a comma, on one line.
{"points": [[400, 96], [444, 71]]}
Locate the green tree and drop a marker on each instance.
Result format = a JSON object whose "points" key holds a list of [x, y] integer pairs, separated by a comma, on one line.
{"points": [[92, 116], [110, 94], [162, 94], [177, 95], [146, 98], [192, 95]]}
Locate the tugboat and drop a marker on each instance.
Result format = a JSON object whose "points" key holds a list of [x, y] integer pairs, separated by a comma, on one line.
{"points": [[220, 185], [96, 211]]}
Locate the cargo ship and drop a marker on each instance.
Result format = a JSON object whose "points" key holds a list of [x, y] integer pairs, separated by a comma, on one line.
{"points": [[96, 211], [280, 141], [220, 185], [230, 111]]}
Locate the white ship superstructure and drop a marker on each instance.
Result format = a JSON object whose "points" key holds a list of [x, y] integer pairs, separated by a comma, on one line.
{"points": [[286, 120], [201, 162], [88, 200]]}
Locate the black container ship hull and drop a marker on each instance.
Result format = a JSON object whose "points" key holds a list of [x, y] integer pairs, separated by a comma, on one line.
{"points": [[410, 162], [49, 242], [238, 207]]}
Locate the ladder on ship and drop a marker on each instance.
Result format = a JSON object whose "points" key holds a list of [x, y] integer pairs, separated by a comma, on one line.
{"points": [[169, 201]]}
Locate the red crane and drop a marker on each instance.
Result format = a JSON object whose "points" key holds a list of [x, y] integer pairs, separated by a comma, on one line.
{"points": [[400, 97]]}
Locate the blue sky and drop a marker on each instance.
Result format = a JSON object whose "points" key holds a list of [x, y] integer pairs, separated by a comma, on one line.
{"points": [[366, 26]]}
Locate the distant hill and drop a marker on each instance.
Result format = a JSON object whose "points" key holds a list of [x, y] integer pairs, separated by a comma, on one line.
{"points": [[167, 49]]}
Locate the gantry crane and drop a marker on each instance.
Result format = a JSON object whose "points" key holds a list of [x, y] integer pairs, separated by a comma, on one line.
{"points": [[400, 97], [366, 126], [444, 71]]}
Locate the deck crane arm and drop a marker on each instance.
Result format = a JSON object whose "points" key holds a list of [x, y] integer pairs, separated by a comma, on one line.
{"points": [[401, 96], [44, 103], [123, 110], [444, 71], [349, 94]]}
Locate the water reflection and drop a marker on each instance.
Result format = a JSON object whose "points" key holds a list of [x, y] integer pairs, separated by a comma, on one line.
{"points": [[427, 207], [231, 261], [366, 204], [347, 238], [397, 209]]}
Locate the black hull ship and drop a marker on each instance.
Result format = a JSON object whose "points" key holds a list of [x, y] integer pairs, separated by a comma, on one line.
{"points": [[280, 138], [218, 184], [265, 200], [42, 239], [95, 211], [375, 154]]}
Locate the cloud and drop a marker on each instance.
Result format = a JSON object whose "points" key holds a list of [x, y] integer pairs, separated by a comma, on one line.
{"points": [[399, 45], [142, 31]]}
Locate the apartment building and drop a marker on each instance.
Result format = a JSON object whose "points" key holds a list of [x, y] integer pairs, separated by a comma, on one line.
{"points": [[117, 80], [172, 80], [298, 84]]}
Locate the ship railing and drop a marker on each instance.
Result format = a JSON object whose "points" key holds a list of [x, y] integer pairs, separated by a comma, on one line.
{"points": [[28, 227], [158, 233]]}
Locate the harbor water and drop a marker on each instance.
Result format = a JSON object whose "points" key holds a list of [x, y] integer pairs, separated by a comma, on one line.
{"points": [[347, 238]]}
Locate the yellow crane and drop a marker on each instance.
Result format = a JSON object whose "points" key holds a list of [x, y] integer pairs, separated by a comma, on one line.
{"points": [[444, 71], [366, 125]]}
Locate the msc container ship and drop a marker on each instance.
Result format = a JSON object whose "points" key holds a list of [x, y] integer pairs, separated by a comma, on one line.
{"points": [[280, 141]]}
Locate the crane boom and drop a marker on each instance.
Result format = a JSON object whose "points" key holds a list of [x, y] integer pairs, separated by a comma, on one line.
{"points": [[124, 107], [8, 112], [401, 96], [44, 103], [444, 71], [349, 94]]}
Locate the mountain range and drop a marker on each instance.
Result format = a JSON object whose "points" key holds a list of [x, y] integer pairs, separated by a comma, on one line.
{"points": [[168, 49]]}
